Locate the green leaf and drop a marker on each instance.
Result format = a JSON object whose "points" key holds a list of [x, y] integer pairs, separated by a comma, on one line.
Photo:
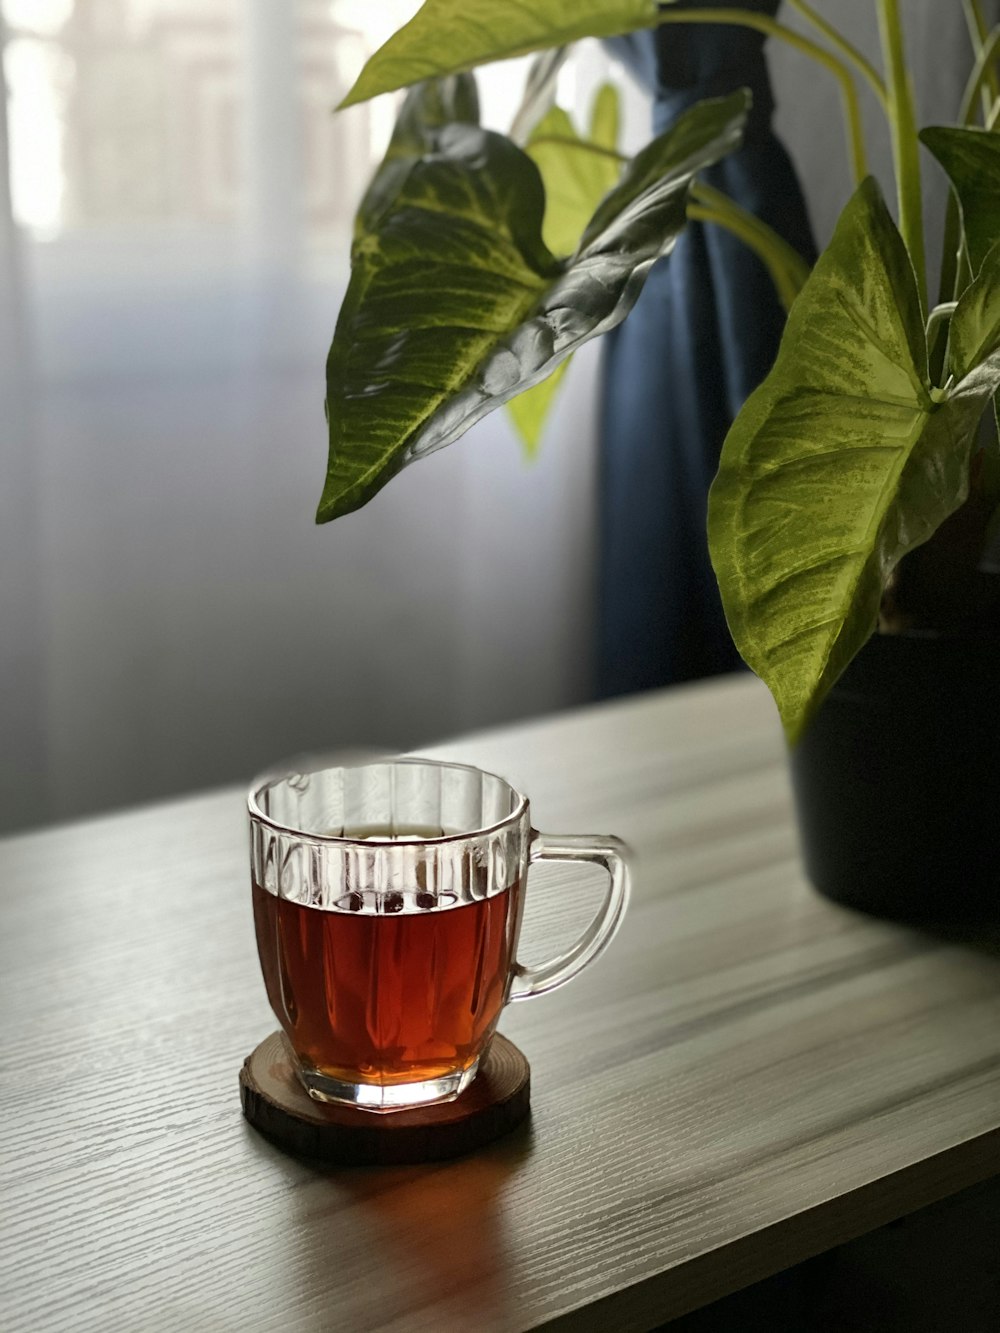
{"points": [[450, 36], [455, 304], [843, 460], [576, 178], [975, 326], [971, 157], [577, 173], [605, 117]]}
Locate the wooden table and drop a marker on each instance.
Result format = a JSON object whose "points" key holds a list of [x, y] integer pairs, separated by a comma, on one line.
{"points": [[749, 1076]]}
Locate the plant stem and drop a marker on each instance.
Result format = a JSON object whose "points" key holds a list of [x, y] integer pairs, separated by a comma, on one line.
{"points": [[983, 74], [948, 290], [952, 259], [949, 250], [846, 48], [905, 145], [770, 27], [786, 266], [938, 315], [978, 29]]}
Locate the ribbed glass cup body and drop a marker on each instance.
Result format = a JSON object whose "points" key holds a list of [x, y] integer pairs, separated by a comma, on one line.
{"points": [[387, 905]]}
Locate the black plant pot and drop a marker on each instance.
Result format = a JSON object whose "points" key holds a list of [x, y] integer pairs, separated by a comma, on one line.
{"points": [[897, 782]]}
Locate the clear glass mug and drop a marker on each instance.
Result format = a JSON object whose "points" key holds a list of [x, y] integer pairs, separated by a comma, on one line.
{"points": [[387, 903]]}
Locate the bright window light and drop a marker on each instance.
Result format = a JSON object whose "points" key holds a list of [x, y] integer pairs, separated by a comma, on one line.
{"points": [[45, 17], [37, 76]]}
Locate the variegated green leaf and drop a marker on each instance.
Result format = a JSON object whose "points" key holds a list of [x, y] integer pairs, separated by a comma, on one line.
{"points": [[455, 304], [843, 460]]}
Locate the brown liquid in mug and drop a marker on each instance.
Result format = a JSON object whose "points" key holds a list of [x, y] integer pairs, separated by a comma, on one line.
{"points": [[387, 998]]}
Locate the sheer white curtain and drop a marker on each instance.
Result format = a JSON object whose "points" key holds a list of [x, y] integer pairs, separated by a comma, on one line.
{"points": [[174, 231], [22, 767], [172, 254]]}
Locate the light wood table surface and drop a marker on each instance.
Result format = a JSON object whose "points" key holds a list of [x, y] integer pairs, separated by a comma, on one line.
{"points": [[749, 1075]]}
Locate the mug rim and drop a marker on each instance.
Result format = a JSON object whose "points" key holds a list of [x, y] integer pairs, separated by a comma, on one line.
{"points": [[265, 779]]}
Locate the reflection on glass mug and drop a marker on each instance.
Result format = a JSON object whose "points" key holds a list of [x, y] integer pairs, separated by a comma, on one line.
{"points": [[387, 902]]}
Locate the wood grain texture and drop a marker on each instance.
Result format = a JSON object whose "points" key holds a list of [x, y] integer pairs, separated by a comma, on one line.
{"points": [[749, 1075], [275, 1102]]}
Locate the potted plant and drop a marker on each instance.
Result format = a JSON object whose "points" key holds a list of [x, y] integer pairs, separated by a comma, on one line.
{"points": [[858, 485]]}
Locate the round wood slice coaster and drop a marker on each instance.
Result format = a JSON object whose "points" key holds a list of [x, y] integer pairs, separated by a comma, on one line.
{"points": [[275, 1102]]}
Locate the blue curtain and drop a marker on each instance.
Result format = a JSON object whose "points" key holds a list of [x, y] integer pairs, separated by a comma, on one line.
{"points": [[702, 336]]}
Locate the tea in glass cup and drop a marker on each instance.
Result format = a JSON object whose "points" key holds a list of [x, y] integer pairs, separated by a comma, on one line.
{"points": [[387, 903]]}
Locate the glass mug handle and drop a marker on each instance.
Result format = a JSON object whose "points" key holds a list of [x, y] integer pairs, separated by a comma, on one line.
{"points": [[609, 854]]}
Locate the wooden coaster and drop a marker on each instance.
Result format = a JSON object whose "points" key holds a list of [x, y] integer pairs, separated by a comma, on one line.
{"points": [[275, 1102]]}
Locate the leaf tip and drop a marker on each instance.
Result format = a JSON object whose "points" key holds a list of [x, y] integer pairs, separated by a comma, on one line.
{"points": [[356, 94], [794, 726], [336, 500], [325, 512], [368, 84]]}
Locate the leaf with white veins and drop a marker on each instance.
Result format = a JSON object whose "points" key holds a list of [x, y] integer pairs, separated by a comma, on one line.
{"points": [[455, 304]]}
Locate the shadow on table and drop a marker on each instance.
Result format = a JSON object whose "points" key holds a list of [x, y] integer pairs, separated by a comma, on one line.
{"points": [[983, 938]]}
